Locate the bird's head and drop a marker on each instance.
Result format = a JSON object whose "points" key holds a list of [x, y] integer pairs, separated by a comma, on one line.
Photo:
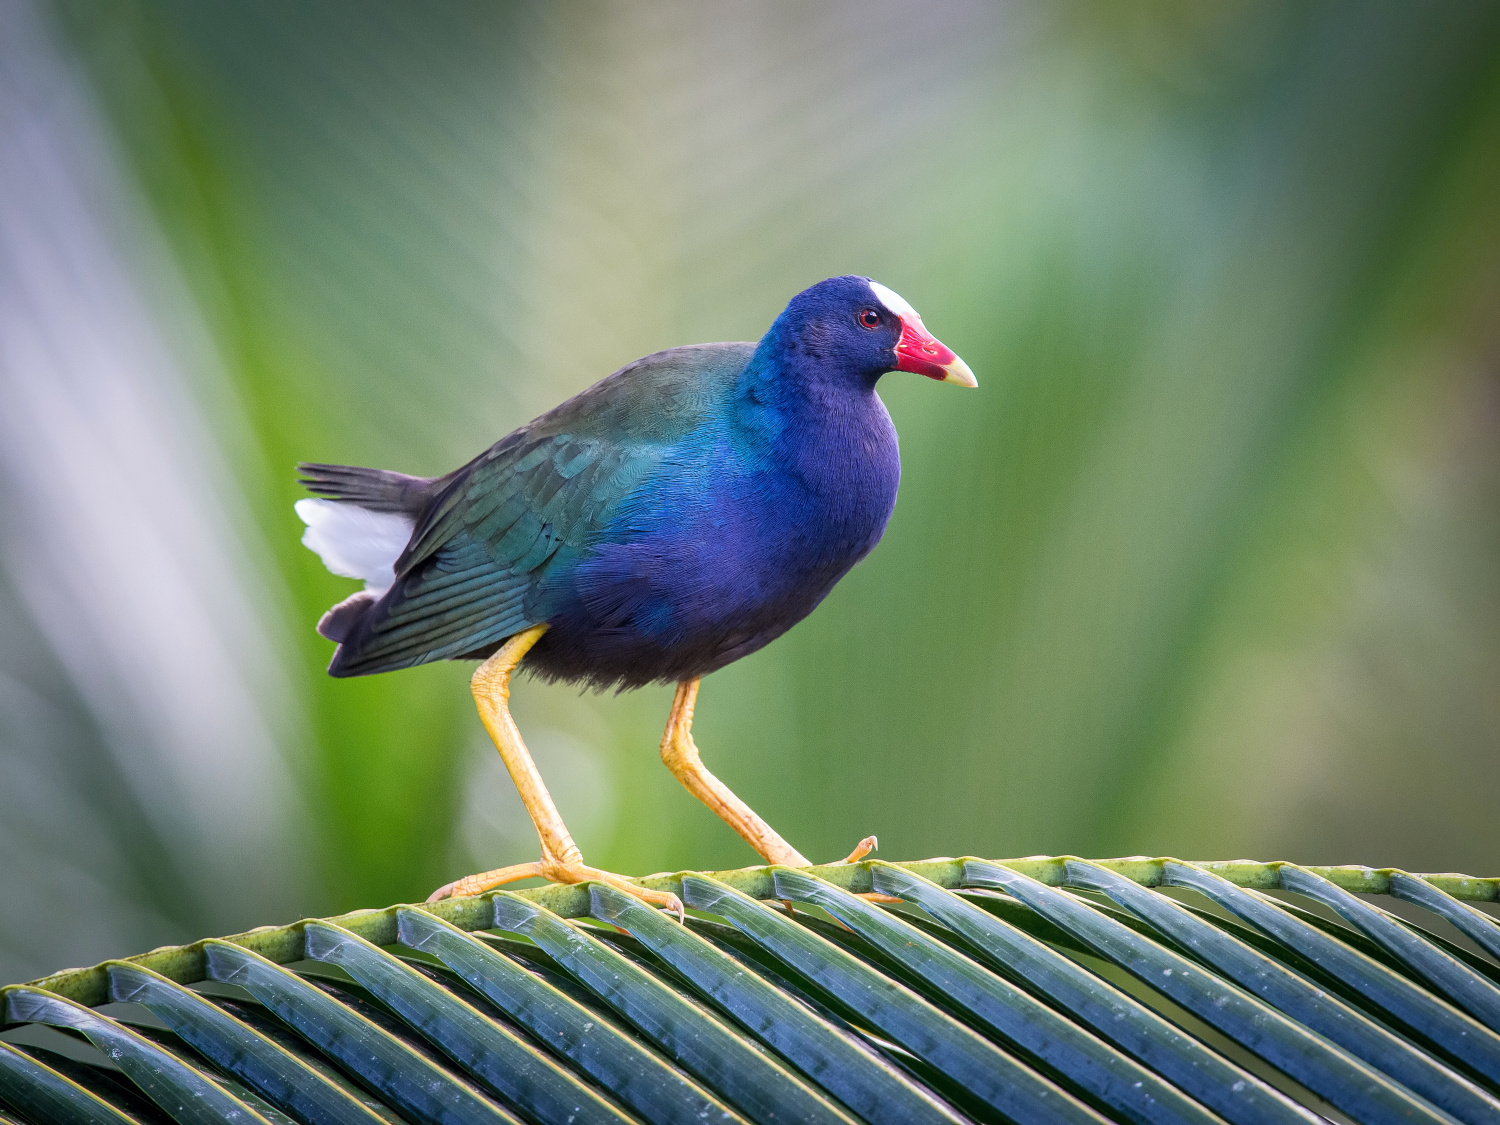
{"points": [[858, 326]]}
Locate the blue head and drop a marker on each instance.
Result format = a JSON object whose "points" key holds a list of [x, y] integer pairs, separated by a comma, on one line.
{"points": [[853, 330]]}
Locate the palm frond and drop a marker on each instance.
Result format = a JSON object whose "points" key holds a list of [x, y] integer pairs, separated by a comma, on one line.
{"points": [[1040, 989]]}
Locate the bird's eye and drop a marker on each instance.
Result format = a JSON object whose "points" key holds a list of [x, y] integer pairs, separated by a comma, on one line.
{"points": [[869, 318]]}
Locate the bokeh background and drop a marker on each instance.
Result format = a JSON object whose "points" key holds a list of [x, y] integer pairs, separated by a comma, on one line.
{"points": [[1208, 566]]}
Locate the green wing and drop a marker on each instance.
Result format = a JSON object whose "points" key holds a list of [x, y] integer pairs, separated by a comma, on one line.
{"points": [[497, 526]]}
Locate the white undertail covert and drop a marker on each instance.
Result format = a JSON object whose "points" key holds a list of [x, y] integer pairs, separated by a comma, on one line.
{"points": [[355, 542]]}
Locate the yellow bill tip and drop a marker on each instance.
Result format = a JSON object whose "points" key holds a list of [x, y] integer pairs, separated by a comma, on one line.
{"points": [[958, 373]]}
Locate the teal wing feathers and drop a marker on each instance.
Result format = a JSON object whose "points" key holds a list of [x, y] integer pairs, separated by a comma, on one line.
{"points": [[466, 586], [497, 527]]}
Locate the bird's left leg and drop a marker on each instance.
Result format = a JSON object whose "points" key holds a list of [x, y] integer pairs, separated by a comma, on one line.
{"points": [[561, 860], [680, 755]]}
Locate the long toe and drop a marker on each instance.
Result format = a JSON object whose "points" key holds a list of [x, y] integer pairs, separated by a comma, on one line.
{"points": [[579, 873], [861, 849], [485, 880], [557, 871]]}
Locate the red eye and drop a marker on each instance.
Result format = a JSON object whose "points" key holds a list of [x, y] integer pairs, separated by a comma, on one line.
{"points": [[869, 318]]}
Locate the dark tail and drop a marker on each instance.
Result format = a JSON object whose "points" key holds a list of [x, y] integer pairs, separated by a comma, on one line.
{"points": [[380, 490], [376, 490], [340, 621]]}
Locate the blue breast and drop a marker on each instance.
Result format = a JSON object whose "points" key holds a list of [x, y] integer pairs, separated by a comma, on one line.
{"points": [[744, 529]]}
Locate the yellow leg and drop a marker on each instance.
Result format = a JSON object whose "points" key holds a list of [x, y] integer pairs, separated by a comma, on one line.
{"points": [[561, 860], [680, 755]]}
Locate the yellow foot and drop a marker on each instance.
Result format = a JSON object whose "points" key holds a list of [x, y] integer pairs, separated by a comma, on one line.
{"points": [[787, 856], [862, 849], [556, 871]]}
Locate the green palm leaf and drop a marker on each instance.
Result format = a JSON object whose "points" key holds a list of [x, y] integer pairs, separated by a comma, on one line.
{"points": [[1029, 990]]}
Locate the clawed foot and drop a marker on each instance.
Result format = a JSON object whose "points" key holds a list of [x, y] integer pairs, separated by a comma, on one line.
{"points": [[556, 871], [862, 849], [576, 871]]}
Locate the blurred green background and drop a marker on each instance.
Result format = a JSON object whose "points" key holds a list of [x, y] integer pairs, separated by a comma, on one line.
{"points": [[1207, 566]]}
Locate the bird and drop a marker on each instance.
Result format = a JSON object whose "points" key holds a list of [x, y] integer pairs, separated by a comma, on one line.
{"points": [[672, 518]]}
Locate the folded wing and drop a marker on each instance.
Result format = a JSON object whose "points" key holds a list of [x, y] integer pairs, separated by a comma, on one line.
{"points": [[455, 564]]}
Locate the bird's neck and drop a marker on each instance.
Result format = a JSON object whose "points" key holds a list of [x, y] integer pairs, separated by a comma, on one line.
{"points": [[814, 420], [784, 384]]}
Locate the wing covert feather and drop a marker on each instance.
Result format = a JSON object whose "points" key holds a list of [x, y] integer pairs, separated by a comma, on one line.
{"points": [[495, 527]]}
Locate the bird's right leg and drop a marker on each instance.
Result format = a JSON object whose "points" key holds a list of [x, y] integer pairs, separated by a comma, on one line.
{"points": [[680, 754], [561, 860]]}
